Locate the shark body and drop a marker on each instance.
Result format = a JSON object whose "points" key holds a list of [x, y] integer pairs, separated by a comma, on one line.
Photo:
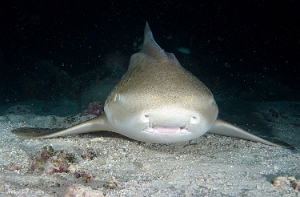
{"points": [[156, 101]]}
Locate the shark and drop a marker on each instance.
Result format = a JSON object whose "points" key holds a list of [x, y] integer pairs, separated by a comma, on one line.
{"points": [[158, 101]]}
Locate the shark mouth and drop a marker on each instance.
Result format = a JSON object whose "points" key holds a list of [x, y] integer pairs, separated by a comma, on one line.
{"points": [[167, 130], [161, 129]]}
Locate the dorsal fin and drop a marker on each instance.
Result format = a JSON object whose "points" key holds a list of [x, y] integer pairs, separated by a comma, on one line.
{"points": [[150, 47]]}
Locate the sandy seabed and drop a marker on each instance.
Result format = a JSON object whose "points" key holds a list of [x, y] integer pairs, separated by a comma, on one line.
{"points": [[113, 165]]}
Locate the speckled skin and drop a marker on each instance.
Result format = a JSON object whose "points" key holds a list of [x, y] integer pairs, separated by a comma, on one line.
{"points": [[156, 85]]}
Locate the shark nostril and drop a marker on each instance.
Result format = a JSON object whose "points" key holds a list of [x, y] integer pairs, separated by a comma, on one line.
{"points": [[194, 119], [145, 118]]}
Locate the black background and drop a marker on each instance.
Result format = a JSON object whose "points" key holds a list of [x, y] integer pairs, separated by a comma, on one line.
{"points": [[261, 37]]}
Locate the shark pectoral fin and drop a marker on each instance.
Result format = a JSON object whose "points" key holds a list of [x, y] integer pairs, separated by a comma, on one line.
{"points": [[224, 128], [96, 124]]}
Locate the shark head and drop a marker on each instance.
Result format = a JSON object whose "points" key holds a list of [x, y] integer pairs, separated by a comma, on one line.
{"points": [[157, 100]]}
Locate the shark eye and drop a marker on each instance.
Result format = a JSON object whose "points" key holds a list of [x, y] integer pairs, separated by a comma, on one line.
{"points": [[117, 97]]}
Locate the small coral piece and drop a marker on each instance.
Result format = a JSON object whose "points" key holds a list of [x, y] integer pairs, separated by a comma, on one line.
{"points": [[52, 162], [295, 185], [13, 167], [111, 184], [85, 175], [290, 181], [56, 164], [94, 108], [89, 153], [47, 152]]}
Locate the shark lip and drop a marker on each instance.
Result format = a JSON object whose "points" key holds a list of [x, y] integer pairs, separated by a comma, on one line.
{"points": [[167, 129], [161, 129]]}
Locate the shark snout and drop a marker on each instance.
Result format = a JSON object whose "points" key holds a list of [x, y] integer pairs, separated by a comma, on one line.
{"points": [[165, 125]]}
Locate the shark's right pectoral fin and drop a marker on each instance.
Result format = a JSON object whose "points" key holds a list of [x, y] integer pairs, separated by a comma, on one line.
{"points": [[96, 124]]}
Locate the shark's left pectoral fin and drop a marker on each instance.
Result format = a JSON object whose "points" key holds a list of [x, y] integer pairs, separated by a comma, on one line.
{"points": [[96, 124], [224, 128]]}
